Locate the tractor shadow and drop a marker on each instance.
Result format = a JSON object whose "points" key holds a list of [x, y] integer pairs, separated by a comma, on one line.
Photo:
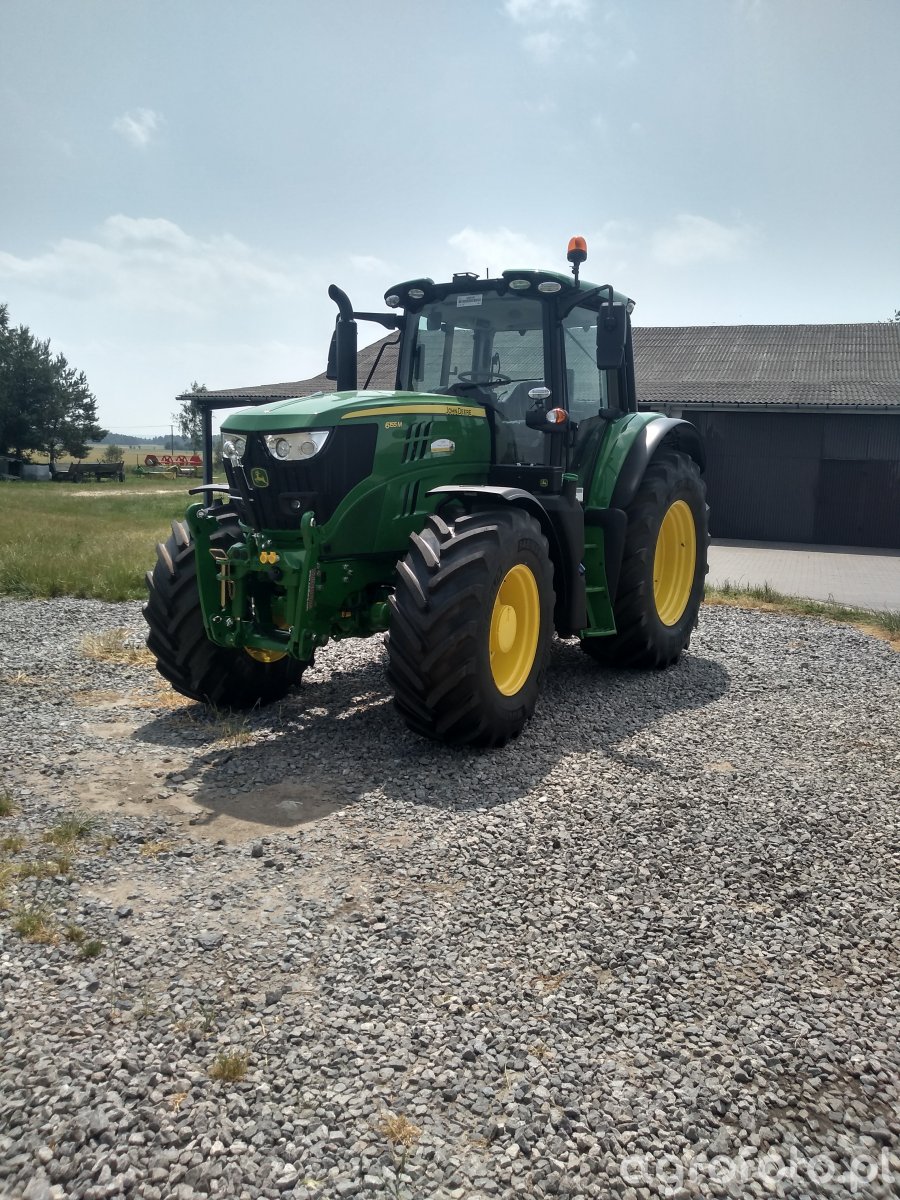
{"points": [[338, 741]]}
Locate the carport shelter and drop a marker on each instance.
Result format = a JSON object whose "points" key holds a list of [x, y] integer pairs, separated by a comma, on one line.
{"points": [[801, 422]]}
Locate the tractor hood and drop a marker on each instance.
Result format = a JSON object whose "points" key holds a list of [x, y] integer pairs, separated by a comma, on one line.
{"points": [[327, 409]]}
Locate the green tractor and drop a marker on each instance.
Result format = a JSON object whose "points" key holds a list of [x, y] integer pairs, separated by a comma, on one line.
{"points": [[509, 488]]}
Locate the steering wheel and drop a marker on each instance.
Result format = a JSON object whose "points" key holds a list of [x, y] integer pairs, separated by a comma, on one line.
{"points": [[487, 380]]}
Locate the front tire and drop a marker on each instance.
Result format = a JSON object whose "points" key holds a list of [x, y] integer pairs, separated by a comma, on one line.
{"points": [[663, 568], [470, 626], [195, 666]]}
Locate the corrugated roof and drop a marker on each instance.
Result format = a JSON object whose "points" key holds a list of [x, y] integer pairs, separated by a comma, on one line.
{"points": [[746, 366]]}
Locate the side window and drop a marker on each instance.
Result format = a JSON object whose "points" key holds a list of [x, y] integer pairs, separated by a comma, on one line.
{"points": [[430, 371], [587, 385]]}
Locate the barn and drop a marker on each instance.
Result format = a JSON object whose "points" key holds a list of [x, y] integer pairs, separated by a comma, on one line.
{"points": [[801, 425]]}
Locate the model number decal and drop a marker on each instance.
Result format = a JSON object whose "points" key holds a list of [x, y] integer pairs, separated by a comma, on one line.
{"points": [[393, 424]]}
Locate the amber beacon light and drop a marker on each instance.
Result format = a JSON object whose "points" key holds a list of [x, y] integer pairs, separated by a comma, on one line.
{"points": [[577, 253]]}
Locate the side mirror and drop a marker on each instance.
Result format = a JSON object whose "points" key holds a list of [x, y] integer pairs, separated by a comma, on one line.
{"points": [[611, 330], [331, 369]]}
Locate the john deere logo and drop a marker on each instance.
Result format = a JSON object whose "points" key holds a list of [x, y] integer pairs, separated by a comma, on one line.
{"points": [[260, 477]]}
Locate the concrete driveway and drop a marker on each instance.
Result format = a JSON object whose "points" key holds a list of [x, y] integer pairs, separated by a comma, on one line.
{"points": [[846, 574]]}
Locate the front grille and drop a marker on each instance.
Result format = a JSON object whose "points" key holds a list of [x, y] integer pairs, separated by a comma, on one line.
{"points": [[320, 483]]}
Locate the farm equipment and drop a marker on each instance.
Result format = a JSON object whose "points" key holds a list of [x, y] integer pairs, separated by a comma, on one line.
{"points": [[75, 472], [506, 489]]}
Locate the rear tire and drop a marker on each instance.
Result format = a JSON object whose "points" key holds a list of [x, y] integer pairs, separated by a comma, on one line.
{"points": [[663, 568], [470, 626], [195, 666]]}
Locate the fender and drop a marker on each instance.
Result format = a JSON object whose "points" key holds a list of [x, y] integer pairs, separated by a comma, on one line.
{"points": [[673, 431], [562, 523]]}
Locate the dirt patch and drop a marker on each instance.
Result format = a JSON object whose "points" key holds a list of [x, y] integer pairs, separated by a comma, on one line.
{"points": [[139, 785]]}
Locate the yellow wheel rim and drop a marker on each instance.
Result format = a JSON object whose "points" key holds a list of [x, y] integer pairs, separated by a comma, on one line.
{"points": [[674, 563], [265, 656], [515, 626]]}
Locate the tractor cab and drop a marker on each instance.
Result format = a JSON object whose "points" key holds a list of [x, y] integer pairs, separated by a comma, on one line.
{"points": [[546, 355]]}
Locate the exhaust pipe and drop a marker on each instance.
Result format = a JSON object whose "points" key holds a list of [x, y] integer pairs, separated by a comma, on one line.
{"points": [[342, 353]]}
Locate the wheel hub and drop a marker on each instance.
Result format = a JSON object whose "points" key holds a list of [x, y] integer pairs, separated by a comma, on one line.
{"points": [[506, 628]]}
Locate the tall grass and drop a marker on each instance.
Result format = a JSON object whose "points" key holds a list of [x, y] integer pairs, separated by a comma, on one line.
{"points": [[94, 541]]}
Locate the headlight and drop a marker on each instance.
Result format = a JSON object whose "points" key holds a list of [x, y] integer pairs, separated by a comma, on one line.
{"points": [[234, 448], [289, 447]]}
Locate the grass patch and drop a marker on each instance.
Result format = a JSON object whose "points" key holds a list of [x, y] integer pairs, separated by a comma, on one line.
{"points": [[97, 544], [8, 806], [12, 843], [152, 849], [34, 926], [90, 948], [45, 868], [398, 1130], [116, 646], [230, 1067], [885, 625], [225, 729], [71, 828]]}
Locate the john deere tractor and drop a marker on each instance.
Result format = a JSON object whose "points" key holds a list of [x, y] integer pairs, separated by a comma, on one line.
{"points": [[506, 489]]}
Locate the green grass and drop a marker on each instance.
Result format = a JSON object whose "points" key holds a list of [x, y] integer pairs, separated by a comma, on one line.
{"points": [[34, 925], [884, 624], [70, 828], [230, 1067], [60, 539], [8, 806]]}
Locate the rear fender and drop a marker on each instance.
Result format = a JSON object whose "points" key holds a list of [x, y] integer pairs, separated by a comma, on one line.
{"points": [[658, 433]]}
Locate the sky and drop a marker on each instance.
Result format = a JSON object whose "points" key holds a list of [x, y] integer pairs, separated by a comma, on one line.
{"points": [[180, 182]]}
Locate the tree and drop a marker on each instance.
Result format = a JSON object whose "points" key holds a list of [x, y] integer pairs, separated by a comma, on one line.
{"points": [[113, 453], [896, 316], [187, 419], [46, 405]]}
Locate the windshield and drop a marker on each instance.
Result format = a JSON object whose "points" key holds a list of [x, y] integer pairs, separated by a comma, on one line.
{"points": [[473, 338]]}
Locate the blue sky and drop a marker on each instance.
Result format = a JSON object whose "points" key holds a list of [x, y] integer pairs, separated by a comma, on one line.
{"points": [[181, 182]]}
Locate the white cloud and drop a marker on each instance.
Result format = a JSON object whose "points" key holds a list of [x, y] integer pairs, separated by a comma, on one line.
{"points": [[371, 265], [151, 264], [543, 45], [139, 126], [694, 239], [497, 249], [545, 10]]}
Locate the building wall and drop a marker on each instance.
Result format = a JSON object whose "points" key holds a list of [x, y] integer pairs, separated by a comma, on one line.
{"points": [[826, 478]]}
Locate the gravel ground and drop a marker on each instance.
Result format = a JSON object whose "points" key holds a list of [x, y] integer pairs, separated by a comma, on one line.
{"points": [[650, 948]]}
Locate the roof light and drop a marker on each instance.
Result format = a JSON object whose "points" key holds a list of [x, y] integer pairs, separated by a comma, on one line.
{"points": [[416, 294], [629, 307], [392, 301], [577, 251], [549, 285], [519, 285]]}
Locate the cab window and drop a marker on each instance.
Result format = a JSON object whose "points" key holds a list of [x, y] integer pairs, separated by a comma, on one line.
{"points": [[587, 386]]}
